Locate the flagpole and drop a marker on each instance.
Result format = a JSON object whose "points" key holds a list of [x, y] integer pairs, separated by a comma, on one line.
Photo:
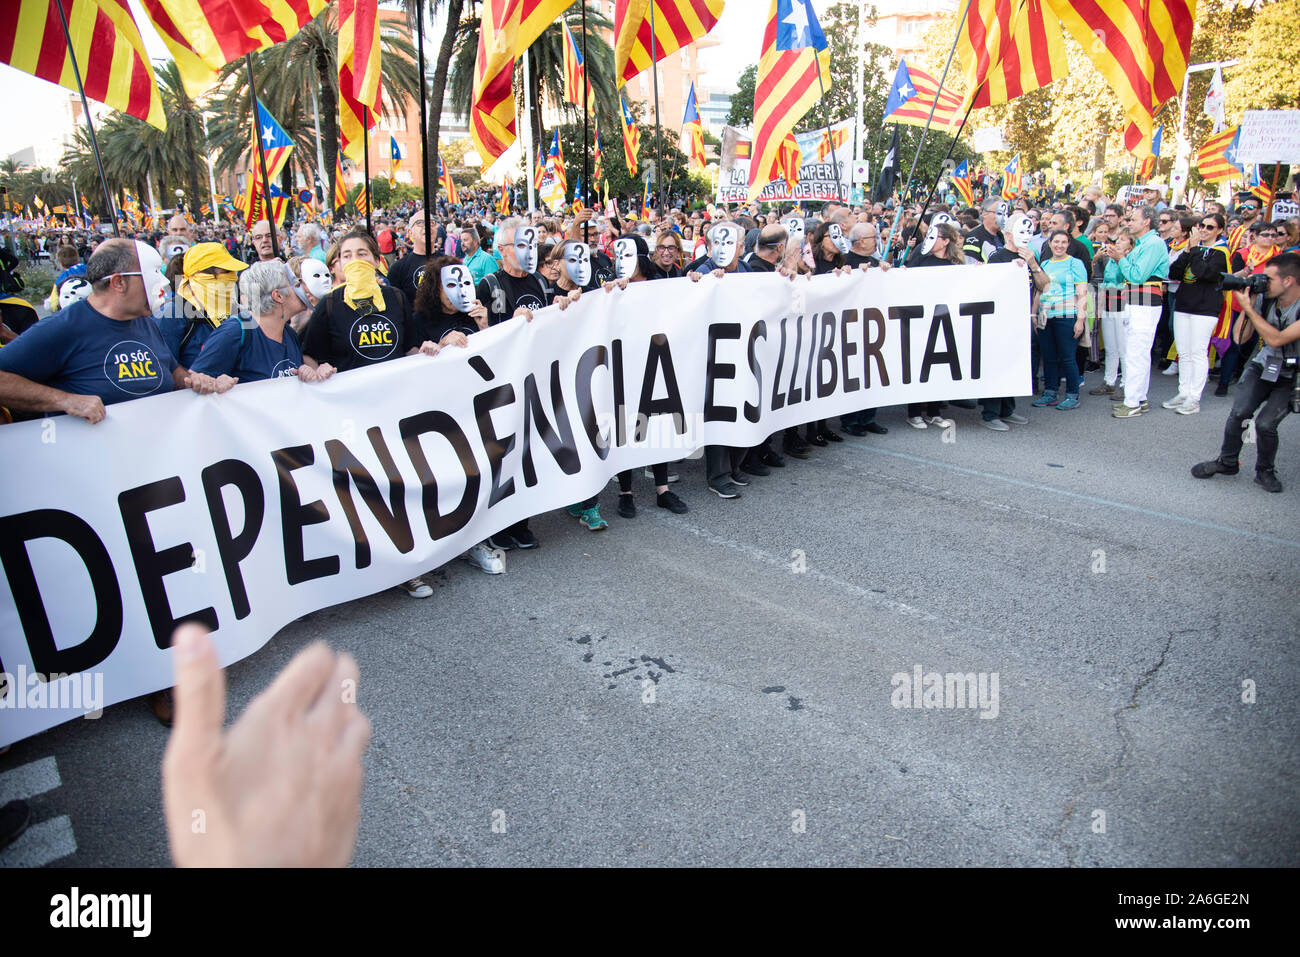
{"points": [[586, 115], [858, 78], [424, 135], [928, 120], [212, 182], [320, 148], [261, 158], [85, 107], [654, 75], [951, 146], [365, 155], [826, 117], [528, 135]]}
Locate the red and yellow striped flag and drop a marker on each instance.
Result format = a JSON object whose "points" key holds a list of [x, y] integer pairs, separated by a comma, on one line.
{"points": [[204, 35], [359, 62], [631, 135], [1006, 49], [786, 89], [788, 161], [915, 110], [503, 206], [115, 68], [340, 187], [677, 23], [506, 29], [448, 184], [1217, 159], [576, 83], [1141, 48]]}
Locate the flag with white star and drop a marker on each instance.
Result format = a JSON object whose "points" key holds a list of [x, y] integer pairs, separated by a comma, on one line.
{"points": [[797, 26]]}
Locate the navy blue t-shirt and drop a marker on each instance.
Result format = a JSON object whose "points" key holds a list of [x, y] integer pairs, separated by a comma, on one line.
{"points": [[84, 352], [173, 321], [250, 357]]}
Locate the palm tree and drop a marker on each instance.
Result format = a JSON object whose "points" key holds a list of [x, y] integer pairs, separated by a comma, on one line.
{"points": [[439, 90], [286, 75], [546, 66]]}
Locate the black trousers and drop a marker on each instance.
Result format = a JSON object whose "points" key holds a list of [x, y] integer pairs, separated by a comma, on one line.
{"points": [[1252, 393], [720, 461]]}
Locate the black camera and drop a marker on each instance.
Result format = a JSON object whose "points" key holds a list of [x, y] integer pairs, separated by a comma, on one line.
{"points": [[1256, 285]]}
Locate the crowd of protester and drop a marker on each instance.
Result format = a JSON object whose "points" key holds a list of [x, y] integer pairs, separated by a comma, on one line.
{"points": [[1117, 290]]}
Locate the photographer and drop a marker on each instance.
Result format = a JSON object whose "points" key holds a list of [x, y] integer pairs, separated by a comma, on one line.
{"points": [[1269, 382]]}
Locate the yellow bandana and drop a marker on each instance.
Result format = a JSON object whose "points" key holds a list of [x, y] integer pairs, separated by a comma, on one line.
{"points": [[360, 282], [215, 295]]}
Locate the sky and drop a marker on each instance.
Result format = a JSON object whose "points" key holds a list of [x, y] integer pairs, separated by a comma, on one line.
{"points": [[34, 111]]}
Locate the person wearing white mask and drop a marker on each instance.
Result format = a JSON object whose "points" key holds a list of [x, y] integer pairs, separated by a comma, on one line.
{"points": [[1000, 414], [267, 347], [725, 242]]}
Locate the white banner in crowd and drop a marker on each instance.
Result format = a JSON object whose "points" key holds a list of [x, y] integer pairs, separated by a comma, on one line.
{"points": [[819, 178], [250, 509]]}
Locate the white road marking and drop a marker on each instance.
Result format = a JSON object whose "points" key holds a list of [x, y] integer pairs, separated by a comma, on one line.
{"points": [[29, 780]]}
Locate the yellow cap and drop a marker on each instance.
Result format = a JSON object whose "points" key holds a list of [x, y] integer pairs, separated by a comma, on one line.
{"points": [[202, 256]]}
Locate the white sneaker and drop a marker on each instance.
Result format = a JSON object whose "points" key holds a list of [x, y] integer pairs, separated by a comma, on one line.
{"points": [[672, 476], [916, 422], [416, 588], [938, 421], [486, 559], [1190, 407], [1171, 369], [1175, 402]]}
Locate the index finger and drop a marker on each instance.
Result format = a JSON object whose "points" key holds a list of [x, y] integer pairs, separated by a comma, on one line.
{"points": [[302, 681]]}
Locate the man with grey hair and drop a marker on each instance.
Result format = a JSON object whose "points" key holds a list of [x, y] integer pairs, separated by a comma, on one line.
{"points": [[260, 239], [478, 262], [986, 238], [104, 349], [311, 240], [862, 245], [266, 347], [1144, 271]]}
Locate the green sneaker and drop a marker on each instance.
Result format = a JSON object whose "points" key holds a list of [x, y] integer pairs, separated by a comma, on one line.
{"points": [[1128, 412], [592, 520], [575, 510]]}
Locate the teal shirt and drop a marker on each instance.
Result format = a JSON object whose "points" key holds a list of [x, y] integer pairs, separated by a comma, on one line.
{"points": [[481, 264], [1148, 260], [1066, 276]]}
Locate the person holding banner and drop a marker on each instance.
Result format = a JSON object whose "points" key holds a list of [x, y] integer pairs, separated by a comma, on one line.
{"points": [[942, 247], [101, 350], [205, 298], [269, 349], [361, 323]]}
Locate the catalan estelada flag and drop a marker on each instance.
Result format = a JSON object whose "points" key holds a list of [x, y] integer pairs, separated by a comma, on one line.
{"points": [[645, 200], [503, 206], [677, 24], [1217, 159], [204, 35], [598, 161], [506, 29], [555, 185], [276, 146], [1008, 48], [914, 94], [1011, 178], [693, 129], [960, 179], [631, 136], [448, 184], [1260, 190], [1141, 48], [394, 153], [787, 84], [576, 84], [359, 65], [1148, 166], [115, 67]]}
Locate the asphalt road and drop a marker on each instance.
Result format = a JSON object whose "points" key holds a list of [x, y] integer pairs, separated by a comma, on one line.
{"points": [[1120, 602]]}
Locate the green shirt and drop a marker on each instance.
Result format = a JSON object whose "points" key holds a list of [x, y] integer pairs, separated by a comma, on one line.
{"points": [[1148, 260]]}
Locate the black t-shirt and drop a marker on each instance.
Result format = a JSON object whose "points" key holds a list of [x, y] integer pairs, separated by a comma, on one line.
{"points": [[854, 260], [407, 273], [503, 293], [348, 339], [930, 259], [602, 268], [432, 328], [756, 263], [822, 266]]}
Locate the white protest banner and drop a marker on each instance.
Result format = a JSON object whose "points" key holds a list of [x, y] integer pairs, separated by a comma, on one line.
{"points": [[818, 176], [1269, 136], [989, 140], [1285, 209], [249, 509]]}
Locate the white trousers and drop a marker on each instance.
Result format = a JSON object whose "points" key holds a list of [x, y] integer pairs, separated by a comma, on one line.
{"points": [[1114, 336], [1142, 322], [1192, 337]]}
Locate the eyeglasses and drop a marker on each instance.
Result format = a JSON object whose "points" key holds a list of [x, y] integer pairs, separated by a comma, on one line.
{"points": [[1209, 225]]}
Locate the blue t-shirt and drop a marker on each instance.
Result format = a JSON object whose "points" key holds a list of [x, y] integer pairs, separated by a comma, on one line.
{"points": [[173, 321], [84, 352], [248, 354]]}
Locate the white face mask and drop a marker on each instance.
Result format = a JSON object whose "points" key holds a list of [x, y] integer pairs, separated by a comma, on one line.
{"points": [[316, 278], [836, 235], [526, 248], [73, 290], [151, 270], [1021, 228], [625, 258], [794, 226], [173, 246], [932, 233], [724, 240], [458, 283], [1002, 210], [577, 263]]}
